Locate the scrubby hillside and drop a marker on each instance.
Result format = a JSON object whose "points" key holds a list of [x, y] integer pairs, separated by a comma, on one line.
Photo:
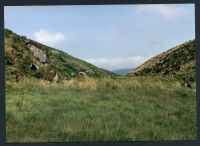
{"points": [[21, 62], [178, 62]]}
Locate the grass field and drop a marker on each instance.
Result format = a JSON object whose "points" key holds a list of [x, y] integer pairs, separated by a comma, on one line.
{"points": [[129, 109]]}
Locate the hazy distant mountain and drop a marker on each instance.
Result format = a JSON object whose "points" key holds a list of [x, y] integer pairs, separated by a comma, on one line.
{"points": [[123, 71]]}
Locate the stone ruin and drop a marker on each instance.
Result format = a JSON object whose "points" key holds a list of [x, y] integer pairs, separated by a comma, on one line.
{"points": [[38, 53]]}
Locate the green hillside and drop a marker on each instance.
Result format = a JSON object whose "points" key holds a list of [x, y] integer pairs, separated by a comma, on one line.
{"points": [[18, 59], [178, 62]]}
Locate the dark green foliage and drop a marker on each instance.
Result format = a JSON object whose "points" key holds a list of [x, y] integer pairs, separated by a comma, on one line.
{"points": [[70, 68], [27, 70], [8, 32]]}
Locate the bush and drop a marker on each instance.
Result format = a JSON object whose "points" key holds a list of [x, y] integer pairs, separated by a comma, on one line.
{"points": [[46, 73], [7, 32]]}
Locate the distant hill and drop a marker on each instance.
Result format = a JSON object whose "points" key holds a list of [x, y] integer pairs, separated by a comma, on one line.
{"points": [[28, 58], [123, 71], [178, 62]]}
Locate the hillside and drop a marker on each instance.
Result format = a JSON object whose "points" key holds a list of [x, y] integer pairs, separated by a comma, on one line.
{"points": [[178, 62], [25, 57]]}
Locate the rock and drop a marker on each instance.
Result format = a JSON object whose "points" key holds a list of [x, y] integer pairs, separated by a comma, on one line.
{"points": [[55, 78], [81, 75], [64, 78], [73, 74], [46, 82], [38, 53]]}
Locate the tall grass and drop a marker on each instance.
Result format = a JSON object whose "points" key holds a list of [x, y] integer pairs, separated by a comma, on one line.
{"points": [[127, 109]]}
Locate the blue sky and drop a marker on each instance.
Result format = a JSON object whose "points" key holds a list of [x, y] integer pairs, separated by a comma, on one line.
{"points": [[109, 36]]}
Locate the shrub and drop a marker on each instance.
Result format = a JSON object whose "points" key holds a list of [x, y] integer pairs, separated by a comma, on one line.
{"points": [[46, 73]]}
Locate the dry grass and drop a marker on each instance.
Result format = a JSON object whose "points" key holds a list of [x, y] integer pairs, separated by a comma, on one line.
{"points": [[86, 83], [94, 84]]}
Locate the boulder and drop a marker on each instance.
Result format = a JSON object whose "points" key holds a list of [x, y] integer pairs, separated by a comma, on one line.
{"points": [[81, 74], [38, 53], [55, 78]]}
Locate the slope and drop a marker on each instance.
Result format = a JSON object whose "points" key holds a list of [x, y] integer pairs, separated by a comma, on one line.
{"points": [[178, 62], [20, 61]]}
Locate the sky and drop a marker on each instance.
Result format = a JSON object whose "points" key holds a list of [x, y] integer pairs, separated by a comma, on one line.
{"points": [[109, 36]]}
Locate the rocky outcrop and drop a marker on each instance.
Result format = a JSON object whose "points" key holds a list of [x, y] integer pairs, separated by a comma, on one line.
{"points": [[38, 53]]}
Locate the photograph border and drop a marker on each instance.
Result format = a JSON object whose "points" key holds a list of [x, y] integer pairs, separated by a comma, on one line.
{"points": [[98, 2]]}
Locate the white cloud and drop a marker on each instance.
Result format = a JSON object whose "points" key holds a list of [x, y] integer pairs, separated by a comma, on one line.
{"points": [[49, 38], [168, 11], [118, 63]]}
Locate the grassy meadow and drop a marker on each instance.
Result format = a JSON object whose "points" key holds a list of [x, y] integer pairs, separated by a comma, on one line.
{"points": [[123, 109]]}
